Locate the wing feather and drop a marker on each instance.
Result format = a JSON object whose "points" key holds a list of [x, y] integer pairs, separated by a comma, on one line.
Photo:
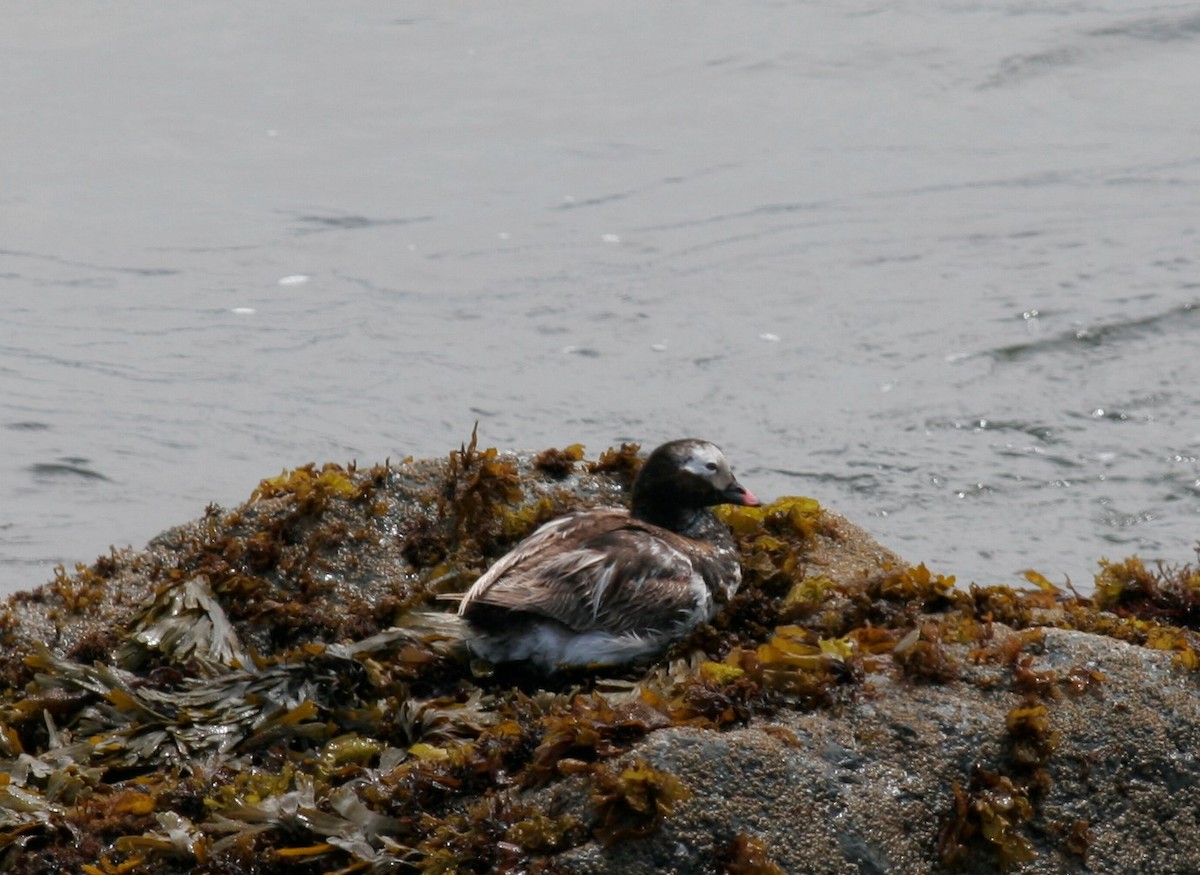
{"points": [[594, 569], [557, 538]]}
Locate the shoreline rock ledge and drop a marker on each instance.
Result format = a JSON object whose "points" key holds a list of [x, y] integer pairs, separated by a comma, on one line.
{"points": [[277, 688]]}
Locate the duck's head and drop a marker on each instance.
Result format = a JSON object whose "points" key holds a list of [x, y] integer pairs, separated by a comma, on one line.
{"points": [[685, 475]]}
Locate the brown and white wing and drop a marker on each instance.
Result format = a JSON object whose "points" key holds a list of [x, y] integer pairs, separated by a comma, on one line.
{"points": [[503, 584], [652, 581], [612, 573]]}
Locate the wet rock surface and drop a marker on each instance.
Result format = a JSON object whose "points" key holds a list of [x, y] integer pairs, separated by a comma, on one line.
{"points": [[278, 688], [870, 788]]}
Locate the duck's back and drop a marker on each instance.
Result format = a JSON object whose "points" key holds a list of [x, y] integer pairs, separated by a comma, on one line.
{"points": [[594, 586]]}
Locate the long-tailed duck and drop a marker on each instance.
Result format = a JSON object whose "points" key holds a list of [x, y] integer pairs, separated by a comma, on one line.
{"points": [[607, 586]]}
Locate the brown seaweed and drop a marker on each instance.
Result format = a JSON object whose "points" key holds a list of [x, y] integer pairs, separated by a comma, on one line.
{"points": [[271, 705]]}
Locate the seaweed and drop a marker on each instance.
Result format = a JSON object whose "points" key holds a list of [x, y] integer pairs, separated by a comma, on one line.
{"points": [[471, 514], [558, 463], [1166, 594], [773, 538], [1000, 802], [266, 699], [476, 483], [747, 855], [311, 490], [991, 810], [632, 800], [185, 621], [922, 656], [81, 591], [1078, 838], [496, 834], [621, 464], [587, 729]]}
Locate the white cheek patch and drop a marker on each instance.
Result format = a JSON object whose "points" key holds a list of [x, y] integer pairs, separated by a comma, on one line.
{"points": [[698, 461], [703, 455]]}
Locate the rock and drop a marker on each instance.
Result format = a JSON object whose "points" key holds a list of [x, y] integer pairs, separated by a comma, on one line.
{"points": [[869, 789], [274, 688]]}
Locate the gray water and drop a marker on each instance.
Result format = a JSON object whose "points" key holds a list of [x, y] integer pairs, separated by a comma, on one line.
{"points": [[934, 264]]}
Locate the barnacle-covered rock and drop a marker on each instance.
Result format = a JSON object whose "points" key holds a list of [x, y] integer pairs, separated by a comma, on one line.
{"points": [[281, 687]]}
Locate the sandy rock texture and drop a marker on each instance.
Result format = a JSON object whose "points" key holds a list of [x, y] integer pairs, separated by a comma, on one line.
{"points": [[869, 788], [278, 688]]}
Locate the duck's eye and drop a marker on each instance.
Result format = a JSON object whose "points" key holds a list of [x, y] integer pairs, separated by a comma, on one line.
{"points": [[712, 466]]}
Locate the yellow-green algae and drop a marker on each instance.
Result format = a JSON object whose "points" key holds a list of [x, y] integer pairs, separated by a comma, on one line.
{"points": [[257, 714]]}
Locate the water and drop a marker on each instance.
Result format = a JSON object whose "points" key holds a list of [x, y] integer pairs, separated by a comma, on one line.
{"points": [[932, 264]]}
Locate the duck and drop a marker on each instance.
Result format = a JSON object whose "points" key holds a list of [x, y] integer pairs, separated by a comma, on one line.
{"points": [[610, 586]]}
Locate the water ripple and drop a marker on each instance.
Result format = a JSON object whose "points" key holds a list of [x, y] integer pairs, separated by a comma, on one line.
{"points": [[1094, 336], [70, 467]]}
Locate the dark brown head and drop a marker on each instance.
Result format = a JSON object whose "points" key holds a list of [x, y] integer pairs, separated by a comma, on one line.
{"points": [[682, 477]]}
